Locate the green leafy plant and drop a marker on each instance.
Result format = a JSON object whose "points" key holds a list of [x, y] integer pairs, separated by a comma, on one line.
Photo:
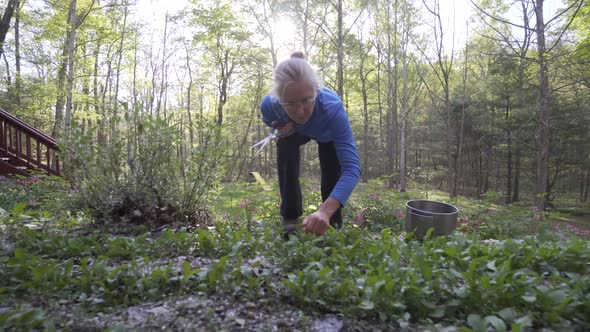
{"points": [[144, 169], [25, 319], [367, 273]]}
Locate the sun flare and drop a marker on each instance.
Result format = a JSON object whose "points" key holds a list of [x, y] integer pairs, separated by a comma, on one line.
{"points": [[284, 32]]}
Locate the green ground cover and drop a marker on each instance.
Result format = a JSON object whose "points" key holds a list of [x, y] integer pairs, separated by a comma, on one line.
{"points": [[505, 268]]}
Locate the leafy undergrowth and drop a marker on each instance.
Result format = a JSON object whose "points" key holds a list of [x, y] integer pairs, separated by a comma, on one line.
{"points": [[498, 272]]}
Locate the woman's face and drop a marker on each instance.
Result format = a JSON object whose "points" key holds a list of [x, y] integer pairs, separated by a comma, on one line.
{"points": [[298, 101]]}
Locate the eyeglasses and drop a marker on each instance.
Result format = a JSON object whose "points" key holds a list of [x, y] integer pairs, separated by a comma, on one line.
{"points": [[304, 102]]}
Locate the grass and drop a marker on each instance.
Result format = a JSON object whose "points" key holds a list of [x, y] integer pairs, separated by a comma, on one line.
{"points": [[505, 268]]}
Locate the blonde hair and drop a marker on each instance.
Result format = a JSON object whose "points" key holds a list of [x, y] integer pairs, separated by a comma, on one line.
{"points": [[294, 69]]}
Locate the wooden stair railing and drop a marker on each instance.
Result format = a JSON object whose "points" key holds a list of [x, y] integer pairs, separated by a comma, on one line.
{"points": [[23, 147]]}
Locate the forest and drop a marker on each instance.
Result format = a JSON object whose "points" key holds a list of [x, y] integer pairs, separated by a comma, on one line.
{"points": [[157, 222], [504, 109]]}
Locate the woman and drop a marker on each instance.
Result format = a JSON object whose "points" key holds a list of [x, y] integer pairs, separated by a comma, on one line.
{"points": [[301, 109]]}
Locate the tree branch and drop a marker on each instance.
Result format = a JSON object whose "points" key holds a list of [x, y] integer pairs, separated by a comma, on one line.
{"points": [[567, 26], [499, 19]]}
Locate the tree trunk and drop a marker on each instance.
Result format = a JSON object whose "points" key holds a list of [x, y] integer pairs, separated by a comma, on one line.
{"points": [[17, 57], [508, 154], [221, 100], [11, 7], [163, 73], [70, 46], [63, 81], [188, 96], [394, 109], [224, 73], [340, 50], [134, 111], [543, 113], [527, 33], [516, 192], [450, 156], [391, 131], [405, 107], [120, 52], [458, 163], [363, 55], [61, 98], [402, 140], [479, 175], [100, 132], [587, 188], [239, 161], [365, 116], [485, 181], [380, 106], [106, 91]]}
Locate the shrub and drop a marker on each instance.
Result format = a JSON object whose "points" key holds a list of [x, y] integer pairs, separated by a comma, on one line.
{"points": [[149, 167]]}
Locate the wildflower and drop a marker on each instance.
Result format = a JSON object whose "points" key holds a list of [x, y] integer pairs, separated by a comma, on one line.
{"points": [[361, 218], [463, 220], [400, 214], [244, 203], [538, 216], [32, 202]]}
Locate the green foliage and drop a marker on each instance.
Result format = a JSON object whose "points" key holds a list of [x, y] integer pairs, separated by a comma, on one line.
{"points": [[486, 219], [30, 193], [247, 202], [581, 25], [146, 167], [25, 319], [375, 208], [365, 272], [529, 282]]}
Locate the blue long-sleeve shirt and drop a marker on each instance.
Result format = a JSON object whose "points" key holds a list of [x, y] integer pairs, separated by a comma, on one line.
{"points": [[328, 123]]}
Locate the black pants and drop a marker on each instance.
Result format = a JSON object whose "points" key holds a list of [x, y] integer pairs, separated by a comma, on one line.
{"points": [[288, 157]]}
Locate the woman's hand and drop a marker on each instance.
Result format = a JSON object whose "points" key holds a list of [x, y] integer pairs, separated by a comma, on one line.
{"points": [[317, 223], [285, 129]]}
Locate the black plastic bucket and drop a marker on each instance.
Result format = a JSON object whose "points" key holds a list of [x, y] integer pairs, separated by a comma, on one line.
{"points": [[423, 214]]}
